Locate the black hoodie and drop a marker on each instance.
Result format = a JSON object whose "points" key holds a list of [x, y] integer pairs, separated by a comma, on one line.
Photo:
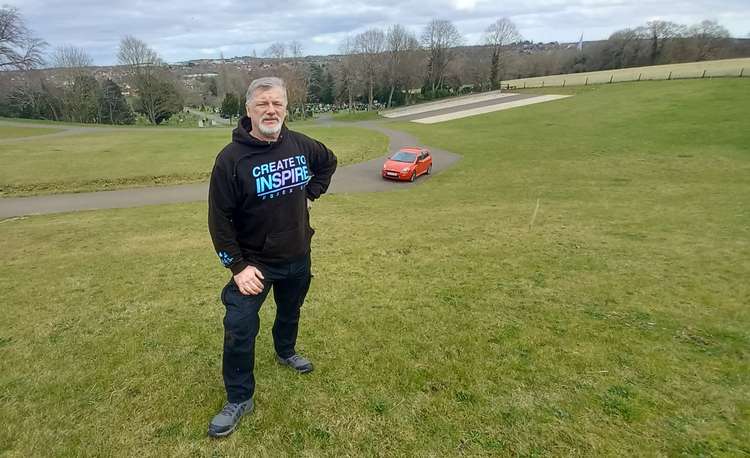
{"points": [[257, 207]]}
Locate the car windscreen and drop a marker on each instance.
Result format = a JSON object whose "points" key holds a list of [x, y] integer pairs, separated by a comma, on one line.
{"points": [[404, 157]]}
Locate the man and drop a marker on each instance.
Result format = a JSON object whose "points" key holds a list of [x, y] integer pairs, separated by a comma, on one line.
{"points": [[262, 186]]}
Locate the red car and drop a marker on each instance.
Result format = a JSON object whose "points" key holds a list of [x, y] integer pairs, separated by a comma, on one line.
{"points": [[407, 164]]}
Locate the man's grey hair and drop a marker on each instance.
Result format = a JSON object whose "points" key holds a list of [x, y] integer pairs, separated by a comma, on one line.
{"points": [[265, 83]]}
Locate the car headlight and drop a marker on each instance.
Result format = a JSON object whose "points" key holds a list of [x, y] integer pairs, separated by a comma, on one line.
{"points": [[405, 169]]}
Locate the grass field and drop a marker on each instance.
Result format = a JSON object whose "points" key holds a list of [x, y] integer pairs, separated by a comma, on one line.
{"points": [[356, 116], [7, 132], [93, 161], [448, 319]]}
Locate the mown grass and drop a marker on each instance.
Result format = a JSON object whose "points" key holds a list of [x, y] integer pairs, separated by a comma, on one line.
{"points": [[441, 321], [356, 116], [7, 132], [110, 159]]}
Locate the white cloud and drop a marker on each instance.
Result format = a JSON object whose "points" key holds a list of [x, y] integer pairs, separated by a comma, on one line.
{"points": [[192, 29]]}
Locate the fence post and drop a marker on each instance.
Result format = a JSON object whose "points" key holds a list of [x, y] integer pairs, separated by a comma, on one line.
{"points": [[669, 77], [704, 73], [587, 81], [611, 77]]}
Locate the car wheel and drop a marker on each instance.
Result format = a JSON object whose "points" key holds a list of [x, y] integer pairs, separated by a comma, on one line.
{"points": [[429, 170], [413, 176]]}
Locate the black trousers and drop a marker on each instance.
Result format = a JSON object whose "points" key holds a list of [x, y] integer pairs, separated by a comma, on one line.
{"points": [[290, 283]]}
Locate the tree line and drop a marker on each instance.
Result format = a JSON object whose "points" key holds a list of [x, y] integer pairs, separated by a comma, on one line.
{"points": [[374, 69], [72, 93]]}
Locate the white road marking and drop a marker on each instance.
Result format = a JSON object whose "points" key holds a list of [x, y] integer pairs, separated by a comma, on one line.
{"points": [[488, 109], [432, 106]]}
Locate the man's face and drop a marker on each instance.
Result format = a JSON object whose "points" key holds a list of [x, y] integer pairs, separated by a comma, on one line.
{"points": [[267, 111]]}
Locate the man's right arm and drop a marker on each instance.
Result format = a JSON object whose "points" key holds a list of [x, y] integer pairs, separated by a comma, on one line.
{"points": [[222, 201]]}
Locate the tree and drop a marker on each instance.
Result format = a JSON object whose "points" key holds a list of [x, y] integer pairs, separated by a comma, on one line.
{"points": [[80, 91], [327, 89], [347, 72], [399, 44], [113, 108], [70, 57], [708, 37], [230, 106], [295, 49], [315, 83], [212, 87], [369, 46], [136, 55], [498, 35], [624, 48], [438, 38], [659, 33], [18, 48], [276, 50], [158, 98], [81, 99]]}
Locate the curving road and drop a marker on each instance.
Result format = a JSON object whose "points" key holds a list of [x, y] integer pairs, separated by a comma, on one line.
{"points": [[362, 177]]}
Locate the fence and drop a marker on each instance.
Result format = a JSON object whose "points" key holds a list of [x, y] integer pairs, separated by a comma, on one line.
{"points": [[707, 69]]}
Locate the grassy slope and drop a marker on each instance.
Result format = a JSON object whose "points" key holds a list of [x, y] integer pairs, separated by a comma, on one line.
{"points": [[356, 116], [7, 132], [616, 325], [111, 159]]}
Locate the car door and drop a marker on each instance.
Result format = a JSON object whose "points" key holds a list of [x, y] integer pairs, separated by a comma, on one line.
{"points": [[421, 163]]}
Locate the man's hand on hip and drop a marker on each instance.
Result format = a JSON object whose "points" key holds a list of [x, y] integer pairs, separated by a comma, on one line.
{"points": [[249, 281]]}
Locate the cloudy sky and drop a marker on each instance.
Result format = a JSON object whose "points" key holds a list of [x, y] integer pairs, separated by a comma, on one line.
{"points": [[189, 29]]}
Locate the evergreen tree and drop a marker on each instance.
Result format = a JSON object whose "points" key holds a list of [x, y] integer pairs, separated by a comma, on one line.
{"points": [[314, 87], [113, 108], [80, 99], [327, 90], [230, 106]]}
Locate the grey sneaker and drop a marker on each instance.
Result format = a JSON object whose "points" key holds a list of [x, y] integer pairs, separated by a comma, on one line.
{"points": [[296, 362], [227, 420]]}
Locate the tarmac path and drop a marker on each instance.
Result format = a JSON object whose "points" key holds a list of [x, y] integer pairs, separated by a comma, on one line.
{"points": [[362, 177]]}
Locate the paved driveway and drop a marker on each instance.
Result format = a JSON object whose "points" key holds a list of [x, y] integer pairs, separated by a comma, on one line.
{"points": [[362, 177]]}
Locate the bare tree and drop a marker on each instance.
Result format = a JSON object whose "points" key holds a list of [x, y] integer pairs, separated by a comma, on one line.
{"points": [[399, 43], [80, 91], [72, 61], [707, 38], [369, 46], [137, 56], [71, 57], [438, 38], [158, 97], [18, 48], [499, 35], [660, 33], [624, 48], [276, 50], [295, 49], [347, 71]]}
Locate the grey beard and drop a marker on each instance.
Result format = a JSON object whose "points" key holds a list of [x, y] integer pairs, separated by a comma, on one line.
{"points": [[269, 130]]}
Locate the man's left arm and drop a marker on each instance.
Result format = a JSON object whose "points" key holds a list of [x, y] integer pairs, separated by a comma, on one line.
{"points": [[322, 165]]}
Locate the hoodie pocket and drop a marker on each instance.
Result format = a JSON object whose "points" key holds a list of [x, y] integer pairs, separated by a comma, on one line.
{"points": [[287, 244]]}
